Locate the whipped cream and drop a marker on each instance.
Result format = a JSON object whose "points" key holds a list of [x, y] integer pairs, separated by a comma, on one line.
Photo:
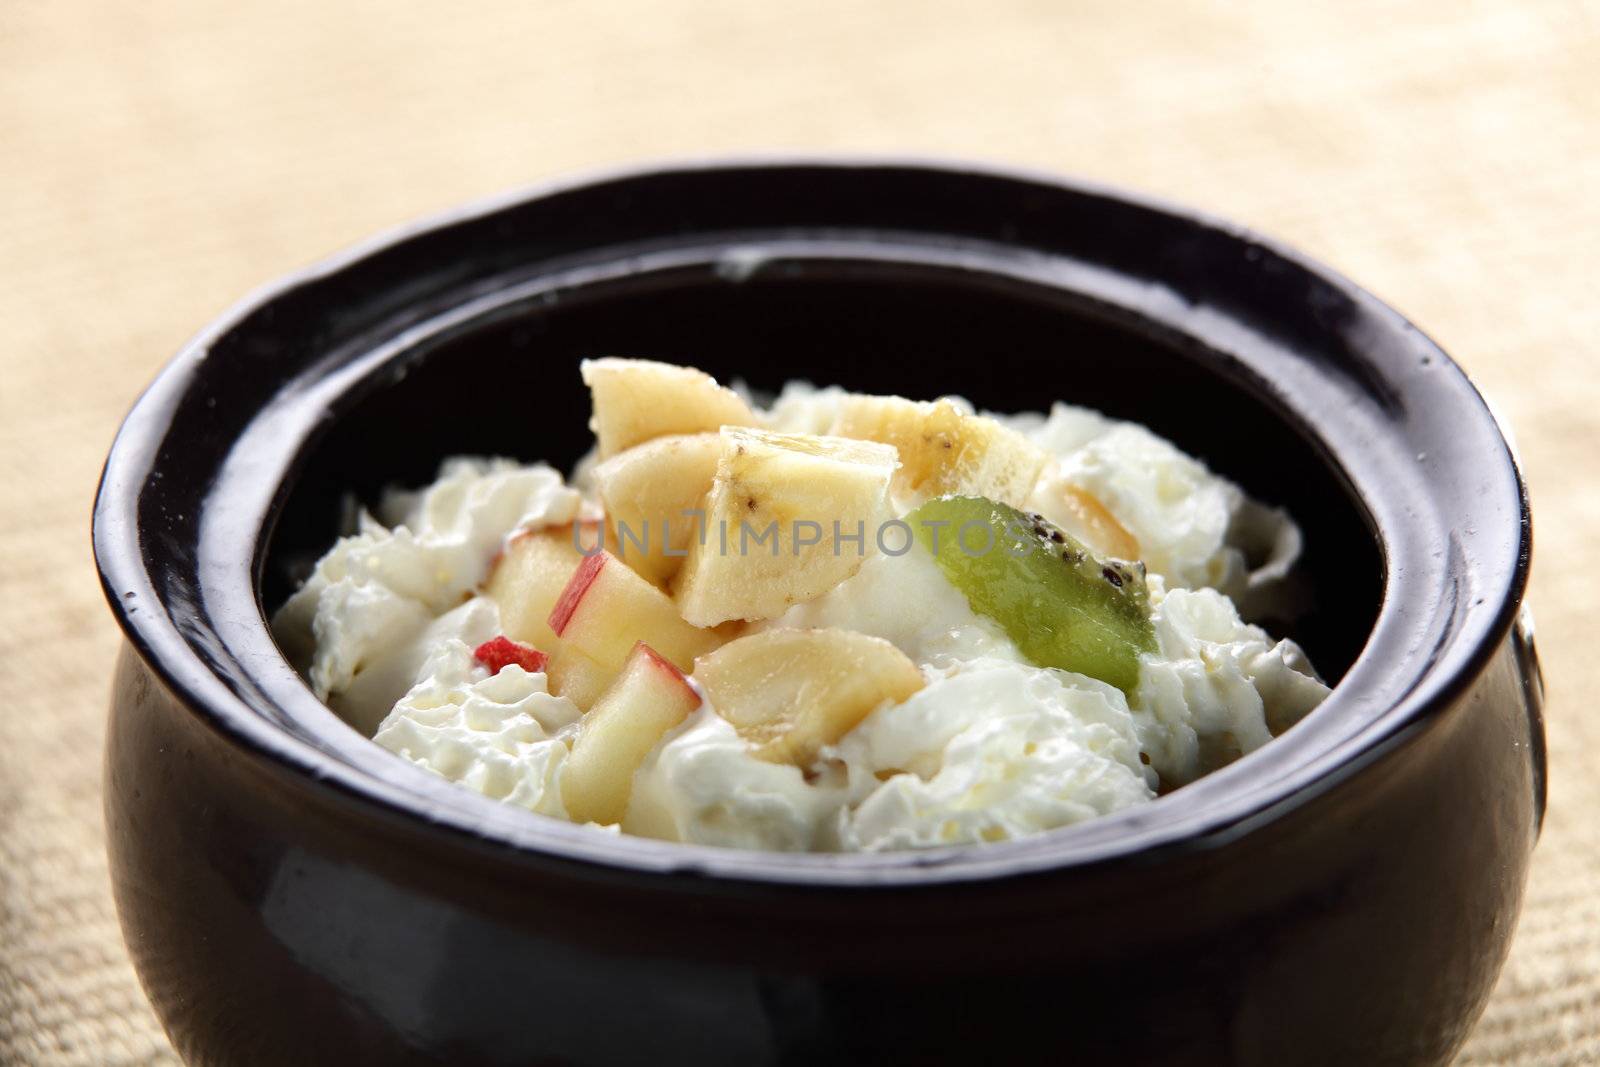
{"points": [[990, 751], [1218, 688], [503, 735], [803, 408], [1194, 528], [703, 784], [374, 594], [905, 600]]}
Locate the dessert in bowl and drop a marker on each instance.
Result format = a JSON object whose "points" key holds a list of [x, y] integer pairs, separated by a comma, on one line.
{"points": [[904, 624], [1344, 892]]}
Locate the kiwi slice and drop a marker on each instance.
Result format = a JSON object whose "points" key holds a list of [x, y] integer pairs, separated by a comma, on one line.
{"points": [[1063, 605]]}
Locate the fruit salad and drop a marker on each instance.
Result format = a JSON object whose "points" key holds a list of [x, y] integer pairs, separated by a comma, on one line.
{"points": [[820, 621]]}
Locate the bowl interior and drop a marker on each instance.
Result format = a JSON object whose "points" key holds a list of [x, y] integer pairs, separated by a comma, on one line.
{"points": [[504, 381]]}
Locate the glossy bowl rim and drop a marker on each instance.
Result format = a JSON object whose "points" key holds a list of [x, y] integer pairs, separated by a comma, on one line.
{"points": [[460, 818]]}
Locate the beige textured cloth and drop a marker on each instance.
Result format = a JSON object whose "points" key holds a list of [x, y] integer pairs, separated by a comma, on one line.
{"points": [[158, 160]]}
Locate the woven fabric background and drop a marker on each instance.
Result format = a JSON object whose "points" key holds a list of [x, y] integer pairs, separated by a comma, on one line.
{"points": [[158, 160]]}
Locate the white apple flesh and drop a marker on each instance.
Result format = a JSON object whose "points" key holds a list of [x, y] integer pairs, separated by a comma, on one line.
{"points": [[647, 699], [606, 608]]}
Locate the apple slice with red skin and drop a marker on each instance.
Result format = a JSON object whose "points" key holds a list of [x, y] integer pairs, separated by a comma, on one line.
{"points": [[606, 608], [648, 698], [526, 580], [528, 575]]}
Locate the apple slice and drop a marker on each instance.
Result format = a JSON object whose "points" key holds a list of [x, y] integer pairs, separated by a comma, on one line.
{"points": [[575, 676], [943, 449], [636, 400], [607, 608], [790, 692], [528, 578], [789, 517], [648, 698], [648, 491], [525, 583]]}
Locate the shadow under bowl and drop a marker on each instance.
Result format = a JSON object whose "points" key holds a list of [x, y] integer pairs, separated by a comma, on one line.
{"points": [[292, 893]]}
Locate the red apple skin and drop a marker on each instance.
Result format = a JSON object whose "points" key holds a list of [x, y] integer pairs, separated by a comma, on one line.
{"points": [[500, 652], [577, 586], [661, 663], [605, 608]]}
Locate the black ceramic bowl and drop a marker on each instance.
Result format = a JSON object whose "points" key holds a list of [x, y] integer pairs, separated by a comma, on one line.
{"points": [[292, 893]]}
